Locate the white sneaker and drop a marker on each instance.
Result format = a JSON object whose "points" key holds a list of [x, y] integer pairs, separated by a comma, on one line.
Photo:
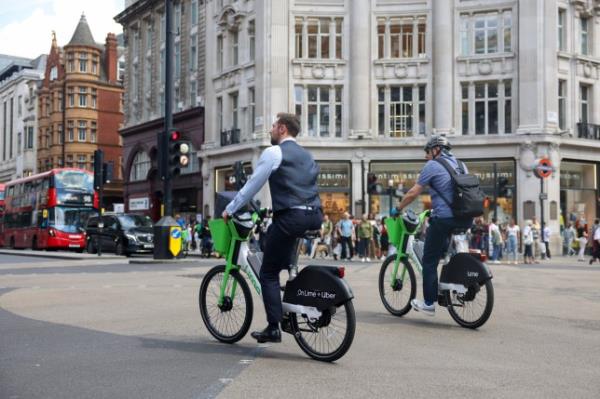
{"points": [[363, 260], [420, 306], [368, 259]]}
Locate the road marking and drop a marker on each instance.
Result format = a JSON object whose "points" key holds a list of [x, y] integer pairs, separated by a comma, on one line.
{"points": [[246, 361], [225, 381]]}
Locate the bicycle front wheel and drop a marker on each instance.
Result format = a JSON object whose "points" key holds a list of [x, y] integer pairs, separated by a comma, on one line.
{"points": [[230, 321], [329, 337], [472, 309], [397, 293]]}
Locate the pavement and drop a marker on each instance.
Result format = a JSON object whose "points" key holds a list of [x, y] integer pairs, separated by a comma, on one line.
{"points": [[105, 328]]}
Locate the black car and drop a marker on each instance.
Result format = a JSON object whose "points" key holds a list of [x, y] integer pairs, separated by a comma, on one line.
{"points": [[122, 234]]}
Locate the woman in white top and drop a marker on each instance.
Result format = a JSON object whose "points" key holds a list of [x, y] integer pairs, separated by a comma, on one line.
{"points": [[512, 241], [582, 244]]}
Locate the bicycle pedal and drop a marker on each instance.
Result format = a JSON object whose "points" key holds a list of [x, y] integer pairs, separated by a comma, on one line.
{"points": [[286, 325]]}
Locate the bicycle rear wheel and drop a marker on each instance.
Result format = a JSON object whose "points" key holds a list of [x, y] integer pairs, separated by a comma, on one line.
{"points": [[328, 338], [230, 321], [472, 309], [396, 295]]}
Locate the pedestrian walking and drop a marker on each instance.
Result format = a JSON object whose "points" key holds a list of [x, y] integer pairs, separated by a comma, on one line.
{"points": [[345, 231], [582, 237], [512, 241], [595, 241], [528, 242], [365, 234]]}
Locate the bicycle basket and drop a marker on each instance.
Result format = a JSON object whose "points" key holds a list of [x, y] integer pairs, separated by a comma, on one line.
{"points": [[394, 228], [221, 235]]}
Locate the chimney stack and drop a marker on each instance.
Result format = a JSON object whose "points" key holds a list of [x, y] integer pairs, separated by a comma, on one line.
{"points": [[111, 58]]}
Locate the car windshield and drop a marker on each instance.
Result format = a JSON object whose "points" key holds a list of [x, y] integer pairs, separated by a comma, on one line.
{"points": [[132, 221], [70, 220], [74, 180]]}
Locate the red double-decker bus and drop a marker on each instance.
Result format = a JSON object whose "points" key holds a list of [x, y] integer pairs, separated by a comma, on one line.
{"points": [[49, 210]]}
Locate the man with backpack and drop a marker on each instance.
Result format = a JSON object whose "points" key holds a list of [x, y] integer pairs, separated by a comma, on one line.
{"points": [[455, 197]]}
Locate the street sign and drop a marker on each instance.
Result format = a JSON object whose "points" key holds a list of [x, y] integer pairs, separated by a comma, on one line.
{"points": [[175, 240], [543, 196], [543, 168]]}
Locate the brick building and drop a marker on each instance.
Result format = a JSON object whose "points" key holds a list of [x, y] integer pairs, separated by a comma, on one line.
{"points": [[80, 107], [144, 80]]}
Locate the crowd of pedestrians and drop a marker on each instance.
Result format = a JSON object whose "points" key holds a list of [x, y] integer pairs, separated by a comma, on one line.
{"points": [[365, 239]]}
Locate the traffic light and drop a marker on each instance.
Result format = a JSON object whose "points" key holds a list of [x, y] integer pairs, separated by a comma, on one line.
{"points": [[503, 190], [98, 169], [107, 172], [179, 153], [372, 186]]}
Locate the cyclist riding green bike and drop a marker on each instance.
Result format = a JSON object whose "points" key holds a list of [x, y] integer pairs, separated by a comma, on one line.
{"points": [[442, 221], [292, 175]]}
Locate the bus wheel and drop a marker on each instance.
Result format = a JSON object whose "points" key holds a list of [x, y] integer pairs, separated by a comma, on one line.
{"points": [[34, 245]]}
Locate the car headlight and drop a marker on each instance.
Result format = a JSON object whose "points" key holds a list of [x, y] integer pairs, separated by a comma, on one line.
{"points": [[131, 237]]}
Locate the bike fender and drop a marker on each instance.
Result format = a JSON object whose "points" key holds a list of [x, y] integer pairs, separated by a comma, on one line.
{"points": [[318, 286], [466, 270]]}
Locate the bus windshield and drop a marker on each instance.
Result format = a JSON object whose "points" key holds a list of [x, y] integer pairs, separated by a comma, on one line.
{"points": [[74, 180], [70, 220], [132, 221]]}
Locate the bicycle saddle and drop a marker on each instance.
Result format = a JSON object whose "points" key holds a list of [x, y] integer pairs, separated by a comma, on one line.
{"points": [[311, 234]]}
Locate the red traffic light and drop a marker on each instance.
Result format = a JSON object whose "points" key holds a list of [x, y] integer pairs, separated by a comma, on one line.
{"points": [[175, 135]]}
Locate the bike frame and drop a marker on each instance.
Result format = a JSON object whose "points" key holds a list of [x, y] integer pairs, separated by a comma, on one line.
{"points": [[241, 263], [409, 254]]}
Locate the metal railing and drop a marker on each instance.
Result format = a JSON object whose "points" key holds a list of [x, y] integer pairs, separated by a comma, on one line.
{"points": [[229, 137], [588, 131]]}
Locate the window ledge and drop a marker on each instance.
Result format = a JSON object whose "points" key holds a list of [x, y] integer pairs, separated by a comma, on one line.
{"points": [[483, 57], [395, 61], [318, 61]]}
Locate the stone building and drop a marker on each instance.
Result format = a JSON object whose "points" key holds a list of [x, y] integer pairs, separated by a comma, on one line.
{"points": [[80, 107], [144, 79], [19, 79], [508, 82]]}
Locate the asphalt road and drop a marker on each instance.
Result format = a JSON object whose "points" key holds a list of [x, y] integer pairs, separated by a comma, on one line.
{"points": [[94, 329]]}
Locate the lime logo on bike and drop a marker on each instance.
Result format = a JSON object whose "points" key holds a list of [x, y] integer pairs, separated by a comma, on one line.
{"points": [[175, 240]]}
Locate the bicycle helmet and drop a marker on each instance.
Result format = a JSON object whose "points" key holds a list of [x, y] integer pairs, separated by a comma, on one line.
{"points": [[437, 141]]}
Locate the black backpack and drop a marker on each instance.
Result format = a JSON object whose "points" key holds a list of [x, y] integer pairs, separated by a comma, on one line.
{"points": [[467, 201]]}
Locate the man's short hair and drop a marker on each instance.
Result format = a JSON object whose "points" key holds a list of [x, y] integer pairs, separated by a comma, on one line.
{"points": [[290, 121]]}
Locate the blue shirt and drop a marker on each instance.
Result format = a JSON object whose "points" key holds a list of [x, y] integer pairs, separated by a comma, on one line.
{"points": [[434, 174], [269, 161], [346, 227]]}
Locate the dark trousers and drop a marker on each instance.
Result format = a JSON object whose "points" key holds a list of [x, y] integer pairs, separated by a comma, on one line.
{"points": [[547, 245], [436, 244], [347, 250], [288, 225]]}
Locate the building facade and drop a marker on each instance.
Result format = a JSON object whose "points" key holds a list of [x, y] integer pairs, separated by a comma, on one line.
{"points": [[144, 26], [19, 80], [509, 82], [80, 107]]}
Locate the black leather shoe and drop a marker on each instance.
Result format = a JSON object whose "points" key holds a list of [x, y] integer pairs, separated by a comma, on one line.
{"points": [[267, 335]]}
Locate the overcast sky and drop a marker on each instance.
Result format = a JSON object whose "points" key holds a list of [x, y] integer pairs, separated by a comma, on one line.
{"points": [[26, 25]]}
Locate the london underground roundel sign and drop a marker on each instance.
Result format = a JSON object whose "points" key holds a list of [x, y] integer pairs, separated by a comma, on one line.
{"points": [[543, 168]]}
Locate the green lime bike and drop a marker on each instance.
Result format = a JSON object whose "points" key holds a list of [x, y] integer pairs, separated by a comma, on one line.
{"points": [[465, 283], [317, 301]]}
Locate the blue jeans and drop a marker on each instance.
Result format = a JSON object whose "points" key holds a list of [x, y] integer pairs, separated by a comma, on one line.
{"points": [[511, 247], [496, 251], [436, 244]]}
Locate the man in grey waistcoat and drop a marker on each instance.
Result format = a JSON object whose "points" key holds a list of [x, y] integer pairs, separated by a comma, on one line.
{"points": [[292, 174]]}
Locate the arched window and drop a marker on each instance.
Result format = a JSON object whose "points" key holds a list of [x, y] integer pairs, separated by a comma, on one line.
{"points": [[140, 167]]}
